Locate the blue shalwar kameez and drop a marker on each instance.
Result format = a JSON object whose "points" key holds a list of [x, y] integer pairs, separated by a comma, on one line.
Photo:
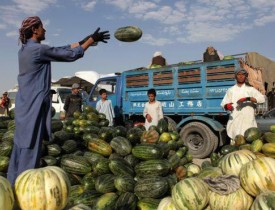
{"points": [[33, 102]]}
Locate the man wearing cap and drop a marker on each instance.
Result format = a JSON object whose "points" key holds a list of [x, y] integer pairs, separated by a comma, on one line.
{"points": [[73, 102], [241, 101], [33, 100], [4, 104]]}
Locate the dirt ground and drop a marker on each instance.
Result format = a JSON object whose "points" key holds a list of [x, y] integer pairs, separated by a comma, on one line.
{"points": [[199, 161]]}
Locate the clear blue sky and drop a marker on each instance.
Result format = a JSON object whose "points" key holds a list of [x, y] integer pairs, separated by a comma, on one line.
{"points": [[180, 29]]}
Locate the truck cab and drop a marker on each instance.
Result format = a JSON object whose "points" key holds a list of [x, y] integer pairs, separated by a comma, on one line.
{"points": [[113, 87]]}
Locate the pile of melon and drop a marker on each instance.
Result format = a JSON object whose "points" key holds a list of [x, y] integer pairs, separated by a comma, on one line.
{"points": [[89, 165], [101, 167]]}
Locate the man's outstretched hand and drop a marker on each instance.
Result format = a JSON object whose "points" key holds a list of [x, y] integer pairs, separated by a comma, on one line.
{"points": [[100, 36]]}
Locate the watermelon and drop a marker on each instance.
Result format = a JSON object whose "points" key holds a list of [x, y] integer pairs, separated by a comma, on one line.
{"points": [[269, 137], [190, 193], [124, 183], [6, 194], [148, 204], [165, 137], [106, 202], [239, 140], [265, 200], [252, 134], [127, 201], [105, 183], [269, 149], [228, 57], [272, 128], [162, 126], [128, 33], [151, 187], [4, 163]]}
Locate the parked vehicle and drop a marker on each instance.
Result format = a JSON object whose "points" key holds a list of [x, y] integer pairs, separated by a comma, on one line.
{"points": [[190, 94], [266, 120], [58, 100]]}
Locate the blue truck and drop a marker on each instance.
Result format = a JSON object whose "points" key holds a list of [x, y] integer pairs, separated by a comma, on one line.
{"points": [[190, 95]]}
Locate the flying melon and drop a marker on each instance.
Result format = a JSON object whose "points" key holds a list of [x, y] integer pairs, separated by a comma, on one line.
{"points": [[128, 33]]}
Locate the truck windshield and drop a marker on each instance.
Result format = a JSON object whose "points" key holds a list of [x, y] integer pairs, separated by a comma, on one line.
{"points": [[108, 84], [64, 92]]}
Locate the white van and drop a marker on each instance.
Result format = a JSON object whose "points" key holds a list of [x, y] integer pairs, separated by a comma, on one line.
{"points": [[58, 100]]}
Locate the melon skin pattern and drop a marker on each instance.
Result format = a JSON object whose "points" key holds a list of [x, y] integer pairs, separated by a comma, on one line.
{"points": [[128, 33]]}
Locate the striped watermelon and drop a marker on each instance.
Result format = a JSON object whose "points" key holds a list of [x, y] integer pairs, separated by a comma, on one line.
{"points": [[44, 188], [166, 204], [128, 34], [265, 200], [190, 194], [6, 194], [258, 175], [151, 187], [232, 162], [106, 202], [236, 200]]}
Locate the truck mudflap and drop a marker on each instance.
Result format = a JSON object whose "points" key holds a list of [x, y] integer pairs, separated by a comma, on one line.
{"points": [[202, 135]]}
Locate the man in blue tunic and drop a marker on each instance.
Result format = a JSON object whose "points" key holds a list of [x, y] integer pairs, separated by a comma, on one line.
{"points": [[33, 100]]}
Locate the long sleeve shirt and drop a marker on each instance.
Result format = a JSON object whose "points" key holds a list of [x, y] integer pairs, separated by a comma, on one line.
{"points": [[240, 120], [155, 111], [34, 80], [106, 108]]}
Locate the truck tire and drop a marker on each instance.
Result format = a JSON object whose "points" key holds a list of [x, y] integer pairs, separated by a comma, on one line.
{"points": [[199, 139], [172, 125]]}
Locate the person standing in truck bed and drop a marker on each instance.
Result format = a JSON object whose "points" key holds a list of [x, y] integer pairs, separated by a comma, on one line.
{"points": [[158, 60], [211, 54]]}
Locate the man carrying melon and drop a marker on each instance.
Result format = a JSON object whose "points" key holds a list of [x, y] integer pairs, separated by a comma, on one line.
{"points": [[241, 100], [33, 100]]}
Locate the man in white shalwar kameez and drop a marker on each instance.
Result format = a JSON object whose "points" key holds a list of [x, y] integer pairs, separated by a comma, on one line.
{"points": [[152, 110], [241, 101]]}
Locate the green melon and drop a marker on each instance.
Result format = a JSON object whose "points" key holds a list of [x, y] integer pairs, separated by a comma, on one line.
{"points": [[269, 137], [165, 137], [162, 126], [128, 34], [272, 128], [252, 134], [239, 140], [228, 57], [264, 200]]}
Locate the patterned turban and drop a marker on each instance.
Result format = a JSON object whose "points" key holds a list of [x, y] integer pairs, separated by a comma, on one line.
{"points": [[26, 25], [241, 70]]}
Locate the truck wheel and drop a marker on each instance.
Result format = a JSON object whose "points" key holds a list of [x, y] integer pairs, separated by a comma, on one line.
{"points": [[199, 138], [172, 125]]}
